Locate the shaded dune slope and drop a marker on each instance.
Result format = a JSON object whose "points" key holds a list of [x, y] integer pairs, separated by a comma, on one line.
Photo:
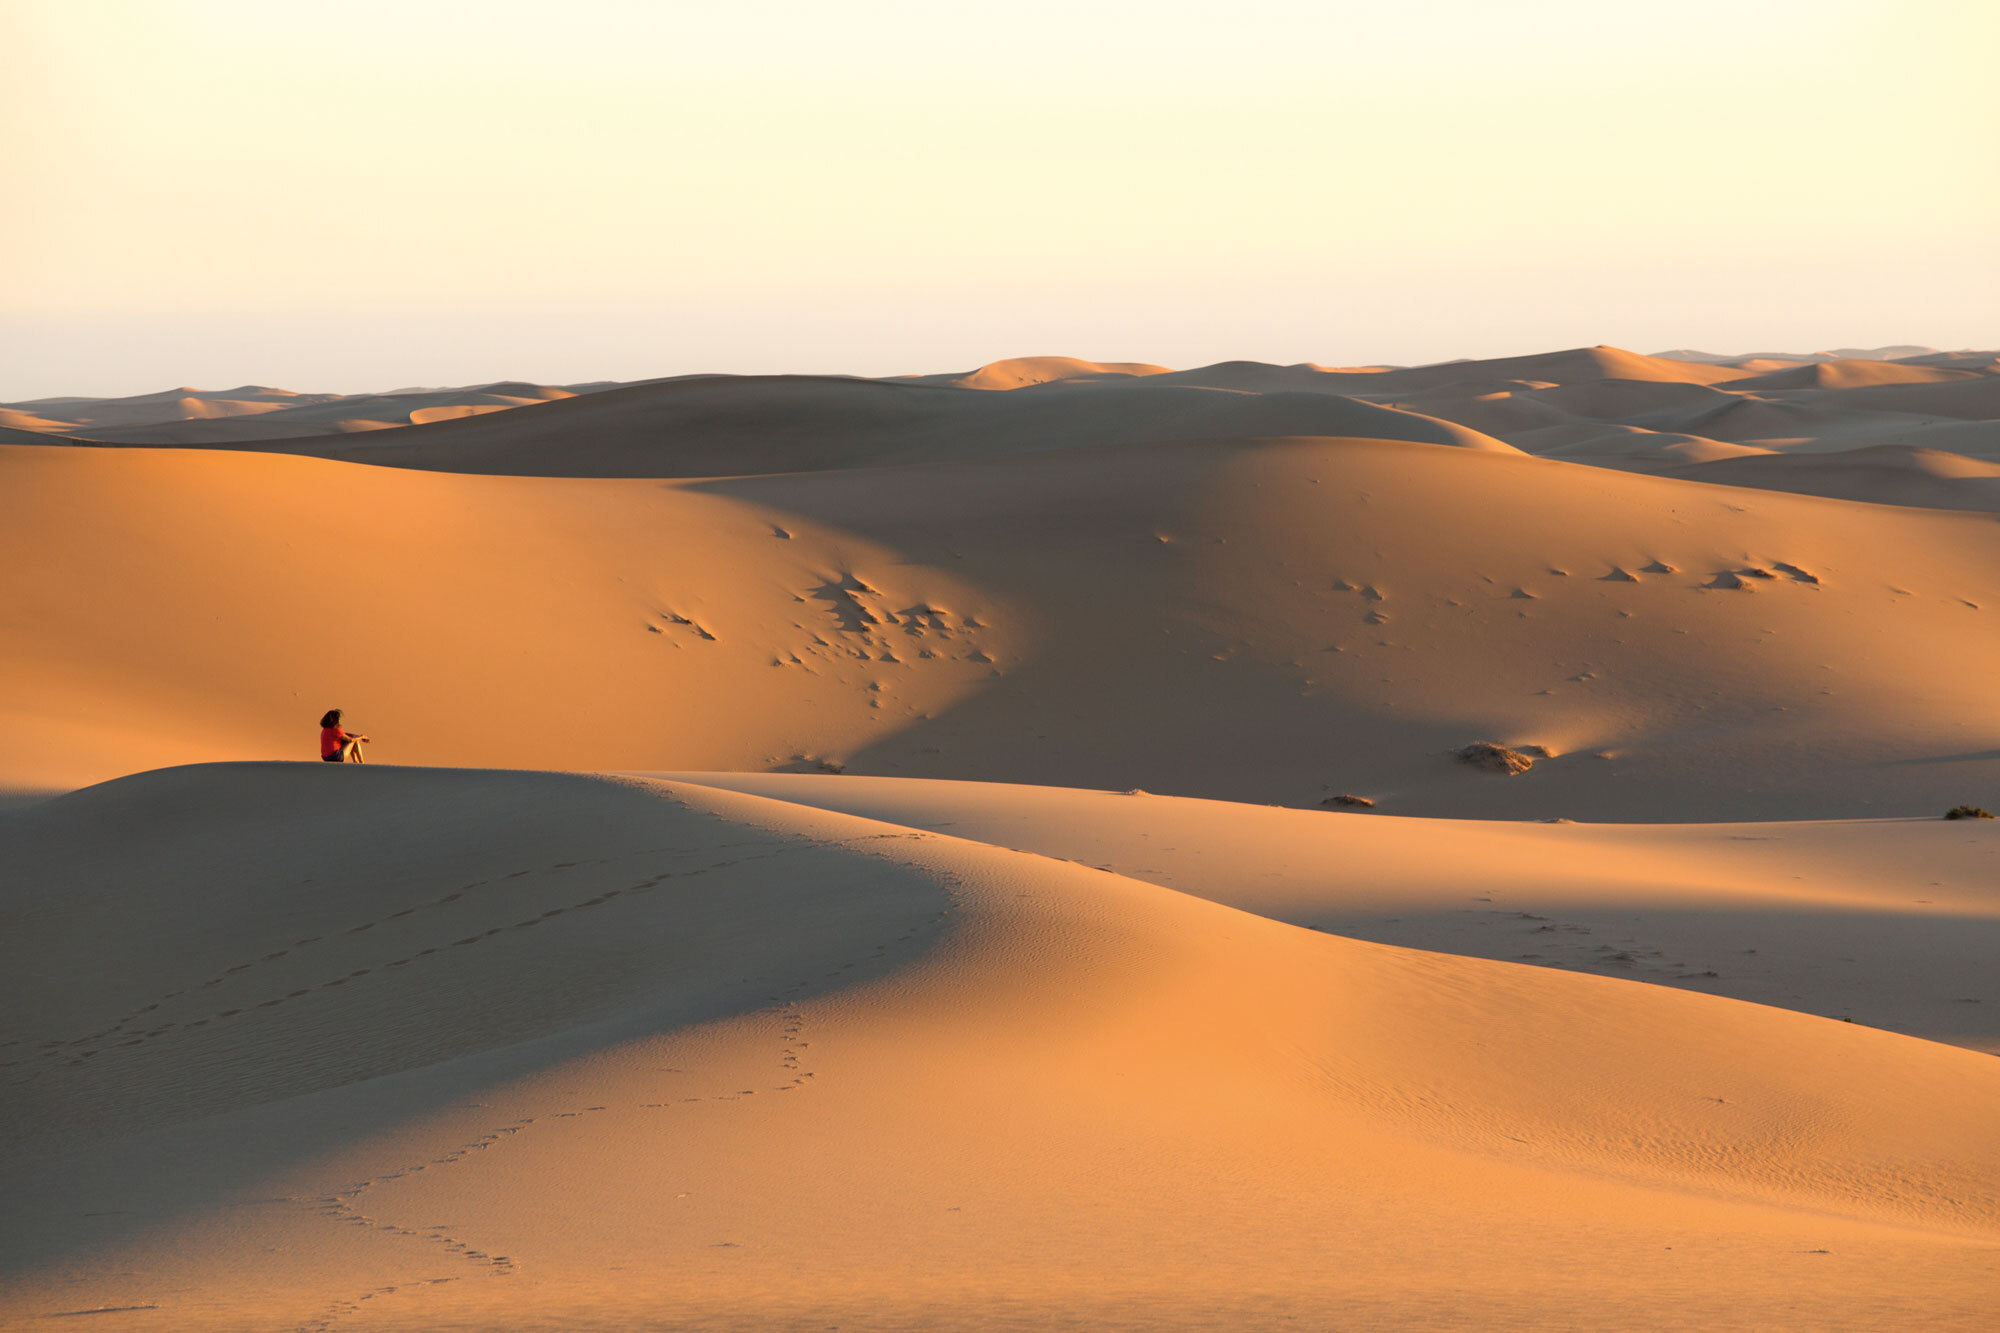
{"points": [[921, 1076]]}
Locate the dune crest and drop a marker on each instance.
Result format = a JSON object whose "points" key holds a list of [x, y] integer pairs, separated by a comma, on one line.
{"points": [[1604, 406]]}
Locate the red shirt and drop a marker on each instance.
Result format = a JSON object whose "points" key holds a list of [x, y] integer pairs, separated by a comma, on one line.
{"points": [[330, 739]]}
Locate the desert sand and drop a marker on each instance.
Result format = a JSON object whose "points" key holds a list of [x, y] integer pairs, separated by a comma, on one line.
{"points": [[866, 853]]}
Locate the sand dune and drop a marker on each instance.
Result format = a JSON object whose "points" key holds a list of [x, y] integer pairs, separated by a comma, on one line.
{"points": [[1850, 375], [1315, 615], [1792, 423], [1022, 371], [343, 415], [850, 976], [27, 435], [1894, 352], [1500, 408], [1520, 408], [1968, 439], [1622, 399], [244, 585], [13, 419], [1890, 474], [1662, 413], [1986, 363], [779, 1067], [1613, 444], [103, 416], [1975, 399], [1578, 364], [1891, 923], [220, 417], [710, 426]]}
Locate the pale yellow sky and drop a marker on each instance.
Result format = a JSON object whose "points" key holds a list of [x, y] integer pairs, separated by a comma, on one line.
{"points": [[373, 194]]}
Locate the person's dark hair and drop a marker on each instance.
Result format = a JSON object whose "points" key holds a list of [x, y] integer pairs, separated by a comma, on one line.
{"points": [[332, 718]]}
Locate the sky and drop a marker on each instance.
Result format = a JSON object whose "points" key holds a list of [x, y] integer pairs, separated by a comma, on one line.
{"points": [[385, 193]]}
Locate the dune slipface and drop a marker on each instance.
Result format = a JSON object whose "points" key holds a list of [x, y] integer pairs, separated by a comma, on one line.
{"points": [[994, 850]]}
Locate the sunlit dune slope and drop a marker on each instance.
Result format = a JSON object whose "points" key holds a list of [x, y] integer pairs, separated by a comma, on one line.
{"points": [[543, 1050], [18, 423], [1268, 620], [1021, 371], [164, 605], [1892, 923]]}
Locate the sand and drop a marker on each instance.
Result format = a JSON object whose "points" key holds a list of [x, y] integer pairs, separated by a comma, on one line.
{"points": [[1891, 923], [1601, 405], [863, 853], [188, 416], [546, 1051], [1318, 615]]}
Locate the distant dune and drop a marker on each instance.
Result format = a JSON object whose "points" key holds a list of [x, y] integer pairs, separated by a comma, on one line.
{"points": [[1598, 405], [255, 413], [714, 426], [1021, 372], [1846, 374], [1893, 352]]}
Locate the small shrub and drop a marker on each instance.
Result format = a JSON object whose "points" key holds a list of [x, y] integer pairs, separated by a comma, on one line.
{"points": [[1967, 812], [1494, 758]]}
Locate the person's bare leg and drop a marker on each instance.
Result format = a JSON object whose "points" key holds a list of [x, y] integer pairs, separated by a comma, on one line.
{"points": [[350, 752]]}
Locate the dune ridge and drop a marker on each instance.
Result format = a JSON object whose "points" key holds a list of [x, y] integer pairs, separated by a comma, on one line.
{"points": [[1604, 406]]}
